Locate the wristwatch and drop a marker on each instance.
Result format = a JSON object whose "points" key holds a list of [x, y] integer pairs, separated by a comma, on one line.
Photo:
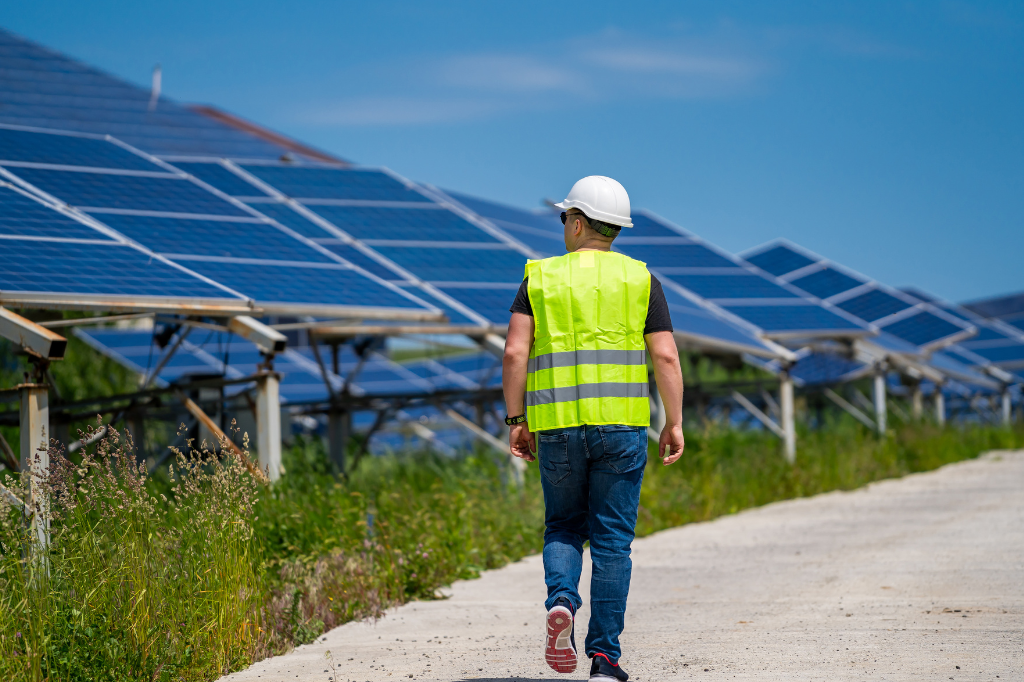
{"points": [[515, 420]]}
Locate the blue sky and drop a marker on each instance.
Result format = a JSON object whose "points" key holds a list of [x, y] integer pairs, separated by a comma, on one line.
{"points": [[888, 136]]}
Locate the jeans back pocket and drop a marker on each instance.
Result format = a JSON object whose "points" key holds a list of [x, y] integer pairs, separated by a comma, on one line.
{"points": [[624, 448], [553, 452]]}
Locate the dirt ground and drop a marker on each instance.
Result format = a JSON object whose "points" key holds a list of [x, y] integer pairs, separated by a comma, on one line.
{"points": [[909, 579]]}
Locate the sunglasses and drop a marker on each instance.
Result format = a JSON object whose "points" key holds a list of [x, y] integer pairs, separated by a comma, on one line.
{"points": [[565, 216]]}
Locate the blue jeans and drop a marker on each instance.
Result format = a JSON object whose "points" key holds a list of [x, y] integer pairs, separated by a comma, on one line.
{"points": [[591, 477]]}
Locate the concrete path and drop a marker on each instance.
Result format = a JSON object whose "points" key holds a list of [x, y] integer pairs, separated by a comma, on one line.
{"points": [[910, 579]]}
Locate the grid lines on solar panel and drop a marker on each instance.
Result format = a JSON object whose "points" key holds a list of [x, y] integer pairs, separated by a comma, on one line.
{"points": [[226, 239], [459, 265], [826, 282], [676, 255], [1002, 354], [791, 318], [922, 328], [823, 368], [307, 285], [412, 224], [644, 226], [105, 190], [873, 305], [288, 217], [357, 257], [454, 316], [220, 177], [746, 285], [74, 267], [310, 182], [779, 260], [20, 215], [67, 150], [490, 303]]}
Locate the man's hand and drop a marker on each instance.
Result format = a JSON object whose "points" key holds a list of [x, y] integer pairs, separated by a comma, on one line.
{"points": [[521, 441], [671, 438]]}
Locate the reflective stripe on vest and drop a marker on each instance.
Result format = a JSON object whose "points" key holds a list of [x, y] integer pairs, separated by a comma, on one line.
{"points": [[588, 363]]}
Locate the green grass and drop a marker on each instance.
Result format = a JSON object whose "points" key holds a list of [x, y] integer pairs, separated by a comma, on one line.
{"points": [[187, 577]]}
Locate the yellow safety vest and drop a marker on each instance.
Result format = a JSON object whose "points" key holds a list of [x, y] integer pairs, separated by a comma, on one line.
{"points": [[588, 364]]}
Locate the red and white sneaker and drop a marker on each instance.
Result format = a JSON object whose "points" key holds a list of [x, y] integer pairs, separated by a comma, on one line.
{"points": [[560, 648]]}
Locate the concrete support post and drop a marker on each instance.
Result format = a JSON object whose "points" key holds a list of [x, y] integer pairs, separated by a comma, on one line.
{"points": [[917, 401], [35, 457], [268, 424], [1007, 407], [339, 429], [788, 419], [940, 406], [878, 393]]}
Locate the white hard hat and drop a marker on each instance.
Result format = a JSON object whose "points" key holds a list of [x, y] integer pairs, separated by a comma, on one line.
{"points": [[600, 198]]}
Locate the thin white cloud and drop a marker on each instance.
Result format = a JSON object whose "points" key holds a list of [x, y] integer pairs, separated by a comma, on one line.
{"points": [[503, 73]]}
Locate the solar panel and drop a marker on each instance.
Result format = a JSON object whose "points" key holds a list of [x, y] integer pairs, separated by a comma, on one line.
{"points": [[893, 311], [24, 216], [427, 224], [24, 146], [165, 211], [301, 182]]}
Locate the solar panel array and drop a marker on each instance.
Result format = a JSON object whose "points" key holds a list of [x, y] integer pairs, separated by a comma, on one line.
{"points": [[42, 88], [395, 229], [891, 310], [696, 275], [122, 196]]}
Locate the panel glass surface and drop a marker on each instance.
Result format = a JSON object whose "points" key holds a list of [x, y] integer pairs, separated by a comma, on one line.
{"points": [[220, 177], [732, 286], [826, 283], [793, 318], [779, 260], [675, 255], [308, 285], [74, 267], [357, 257], [104, 190], [67, 150], [922, 328], [307, 182], [20, 215], [413, 224], [873, 305], [824, 368], [644, 226], [459, 265], [491, 303], [290, 218], [226, 239]]}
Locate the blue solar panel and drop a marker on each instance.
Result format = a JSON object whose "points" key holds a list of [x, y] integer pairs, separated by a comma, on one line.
{"points": [[922, 328], [675, 255], [1009, 354], [227, 239], [491, 303], [290, 218], [644, 226], [40, 87], [819, 369], [459, 265], [873, 305], [104, 190], [826, 283], [779, 260], [794, 318], [454, 316], [20, 215], [309, 182], [304, 285], [220, 177], [747, 285], [371, 222], [357, 257], [68, 150], [63, 267]]}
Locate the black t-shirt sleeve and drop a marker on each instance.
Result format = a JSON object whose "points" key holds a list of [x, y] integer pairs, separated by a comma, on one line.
{"points": [[521, 304], [658, 317]]}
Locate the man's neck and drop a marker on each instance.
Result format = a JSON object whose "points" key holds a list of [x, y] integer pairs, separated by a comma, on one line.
{"points": [[594, 245]]}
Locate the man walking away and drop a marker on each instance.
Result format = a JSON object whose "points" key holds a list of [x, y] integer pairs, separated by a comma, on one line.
{"points": [[576, 387]]}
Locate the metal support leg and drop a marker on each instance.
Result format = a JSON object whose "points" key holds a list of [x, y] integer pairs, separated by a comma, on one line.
{"points": [[879, 397], [35, 458], [940, 406], [268, 424], [917, 402], [788, 423], [1007, 413], [339, 427]]}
